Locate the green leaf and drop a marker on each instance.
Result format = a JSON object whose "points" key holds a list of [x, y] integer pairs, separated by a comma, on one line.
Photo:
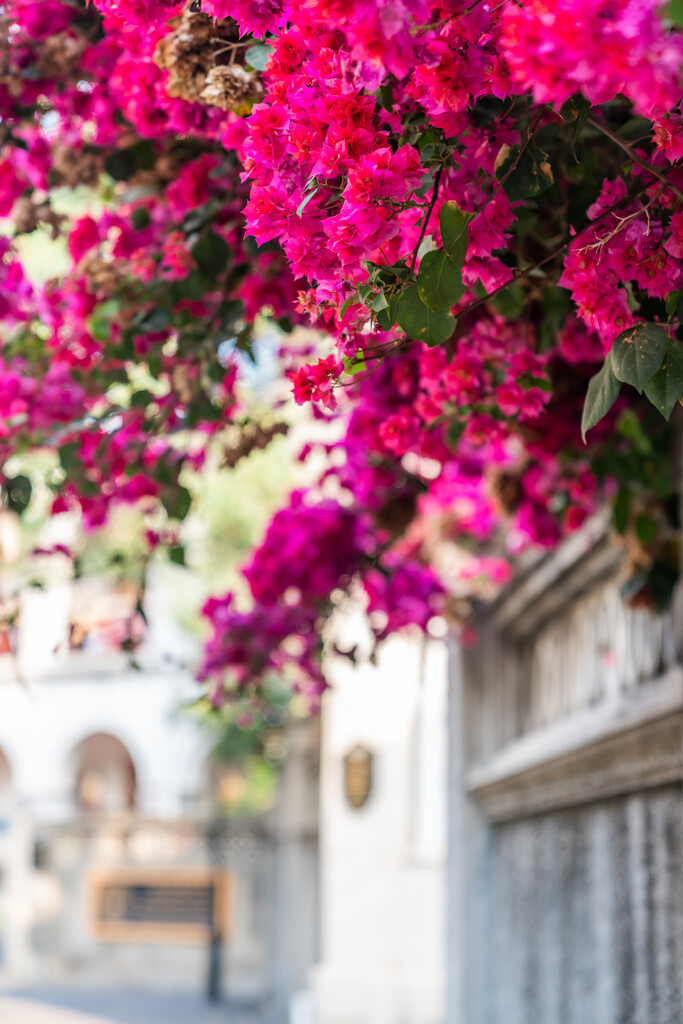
{"points": [[68, 455], [119, 165], [674, 12], [665, 388], [156, 320], [576, 107], [674, 307], [18, 492], [355, 364], [453, 227], [99, 323], [123, 163], [310, 189], [197, 218], [646, 528], [635, 128], [141, 399], [557, 306], [427, 139], [454, 432], [510, 301], [630, 426], [177, 554], [637, 354], [386, 318], [194, 286], [575, 111], [349, 302], [426, 186], [178, 502], [528, 173], [257, 56], [439, 281], [305, 201], [603, 391], [425, 246], [420, 322], [621, 509], [140, 217], [211, 254], [385, 94]]}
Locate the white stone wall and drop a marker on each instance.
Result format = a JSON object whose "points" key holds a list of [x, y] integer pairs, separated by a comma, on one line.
{"points": [[565, 870]]}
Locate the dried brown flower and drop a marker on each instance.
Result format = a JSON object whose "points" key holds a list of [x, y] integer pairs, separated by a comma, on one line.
{"points": [[76, 167], [24, 215], [60, 56], [245, 440], [232, 87], [506, 489], [102, 277], [202, 60]]}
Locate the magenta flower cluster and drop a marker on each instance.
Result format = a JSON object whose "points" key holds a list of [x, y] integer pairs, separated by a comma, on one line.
{"points": [[410, 178]]}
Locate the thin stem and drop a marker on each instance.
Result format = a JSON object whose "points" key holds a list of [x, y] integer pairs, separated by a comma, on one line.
{"points": [[228, 47], [458, 14], [633, 155], [623, 221], [556, 252], [435, 193], [380, 352]]}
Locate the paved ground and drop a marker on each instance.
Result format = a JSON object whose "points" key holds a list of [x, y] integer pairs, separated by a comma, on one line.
{"points": [[59, 1007]]}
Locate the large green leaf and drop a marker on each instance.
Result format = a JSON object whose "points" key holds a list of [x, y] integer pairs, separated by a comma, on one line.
{"points": [[637, 354], [453, 227], [603, 390], [420, 322], [439, 281], [665, 388]]}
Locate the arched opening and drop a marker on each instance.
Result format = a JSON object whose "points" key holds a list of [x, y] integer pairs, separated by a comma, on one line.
{"points": [[105, 777]]}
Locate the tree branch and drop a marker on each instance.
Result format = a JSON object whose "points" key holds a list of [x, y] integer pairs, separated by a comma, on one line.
{"points": [[560, 249], [633, 155]]}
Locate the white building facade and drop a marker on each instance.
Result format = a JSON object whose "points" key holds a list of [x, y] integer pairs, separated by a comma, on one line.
{"points": [[383, 861], [116, 868]]}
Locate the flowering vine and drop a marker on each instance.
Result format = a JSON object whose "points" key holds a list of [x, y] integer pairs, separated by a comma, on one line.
{"points": [[480, 206]]}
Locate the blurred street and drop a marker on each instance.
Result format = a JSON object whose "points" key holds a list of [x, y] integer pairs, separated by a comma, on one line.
{"points": [[60, 1007]]}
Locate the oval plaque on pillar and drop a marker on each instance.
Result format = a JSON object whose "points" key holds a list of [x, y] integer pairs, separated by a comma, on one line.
{"points": [[358, 764]]}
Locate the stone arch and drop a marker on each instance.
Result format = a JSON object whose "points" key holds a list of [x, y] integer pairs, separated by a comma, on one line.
{"points": [[104, 775]]}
